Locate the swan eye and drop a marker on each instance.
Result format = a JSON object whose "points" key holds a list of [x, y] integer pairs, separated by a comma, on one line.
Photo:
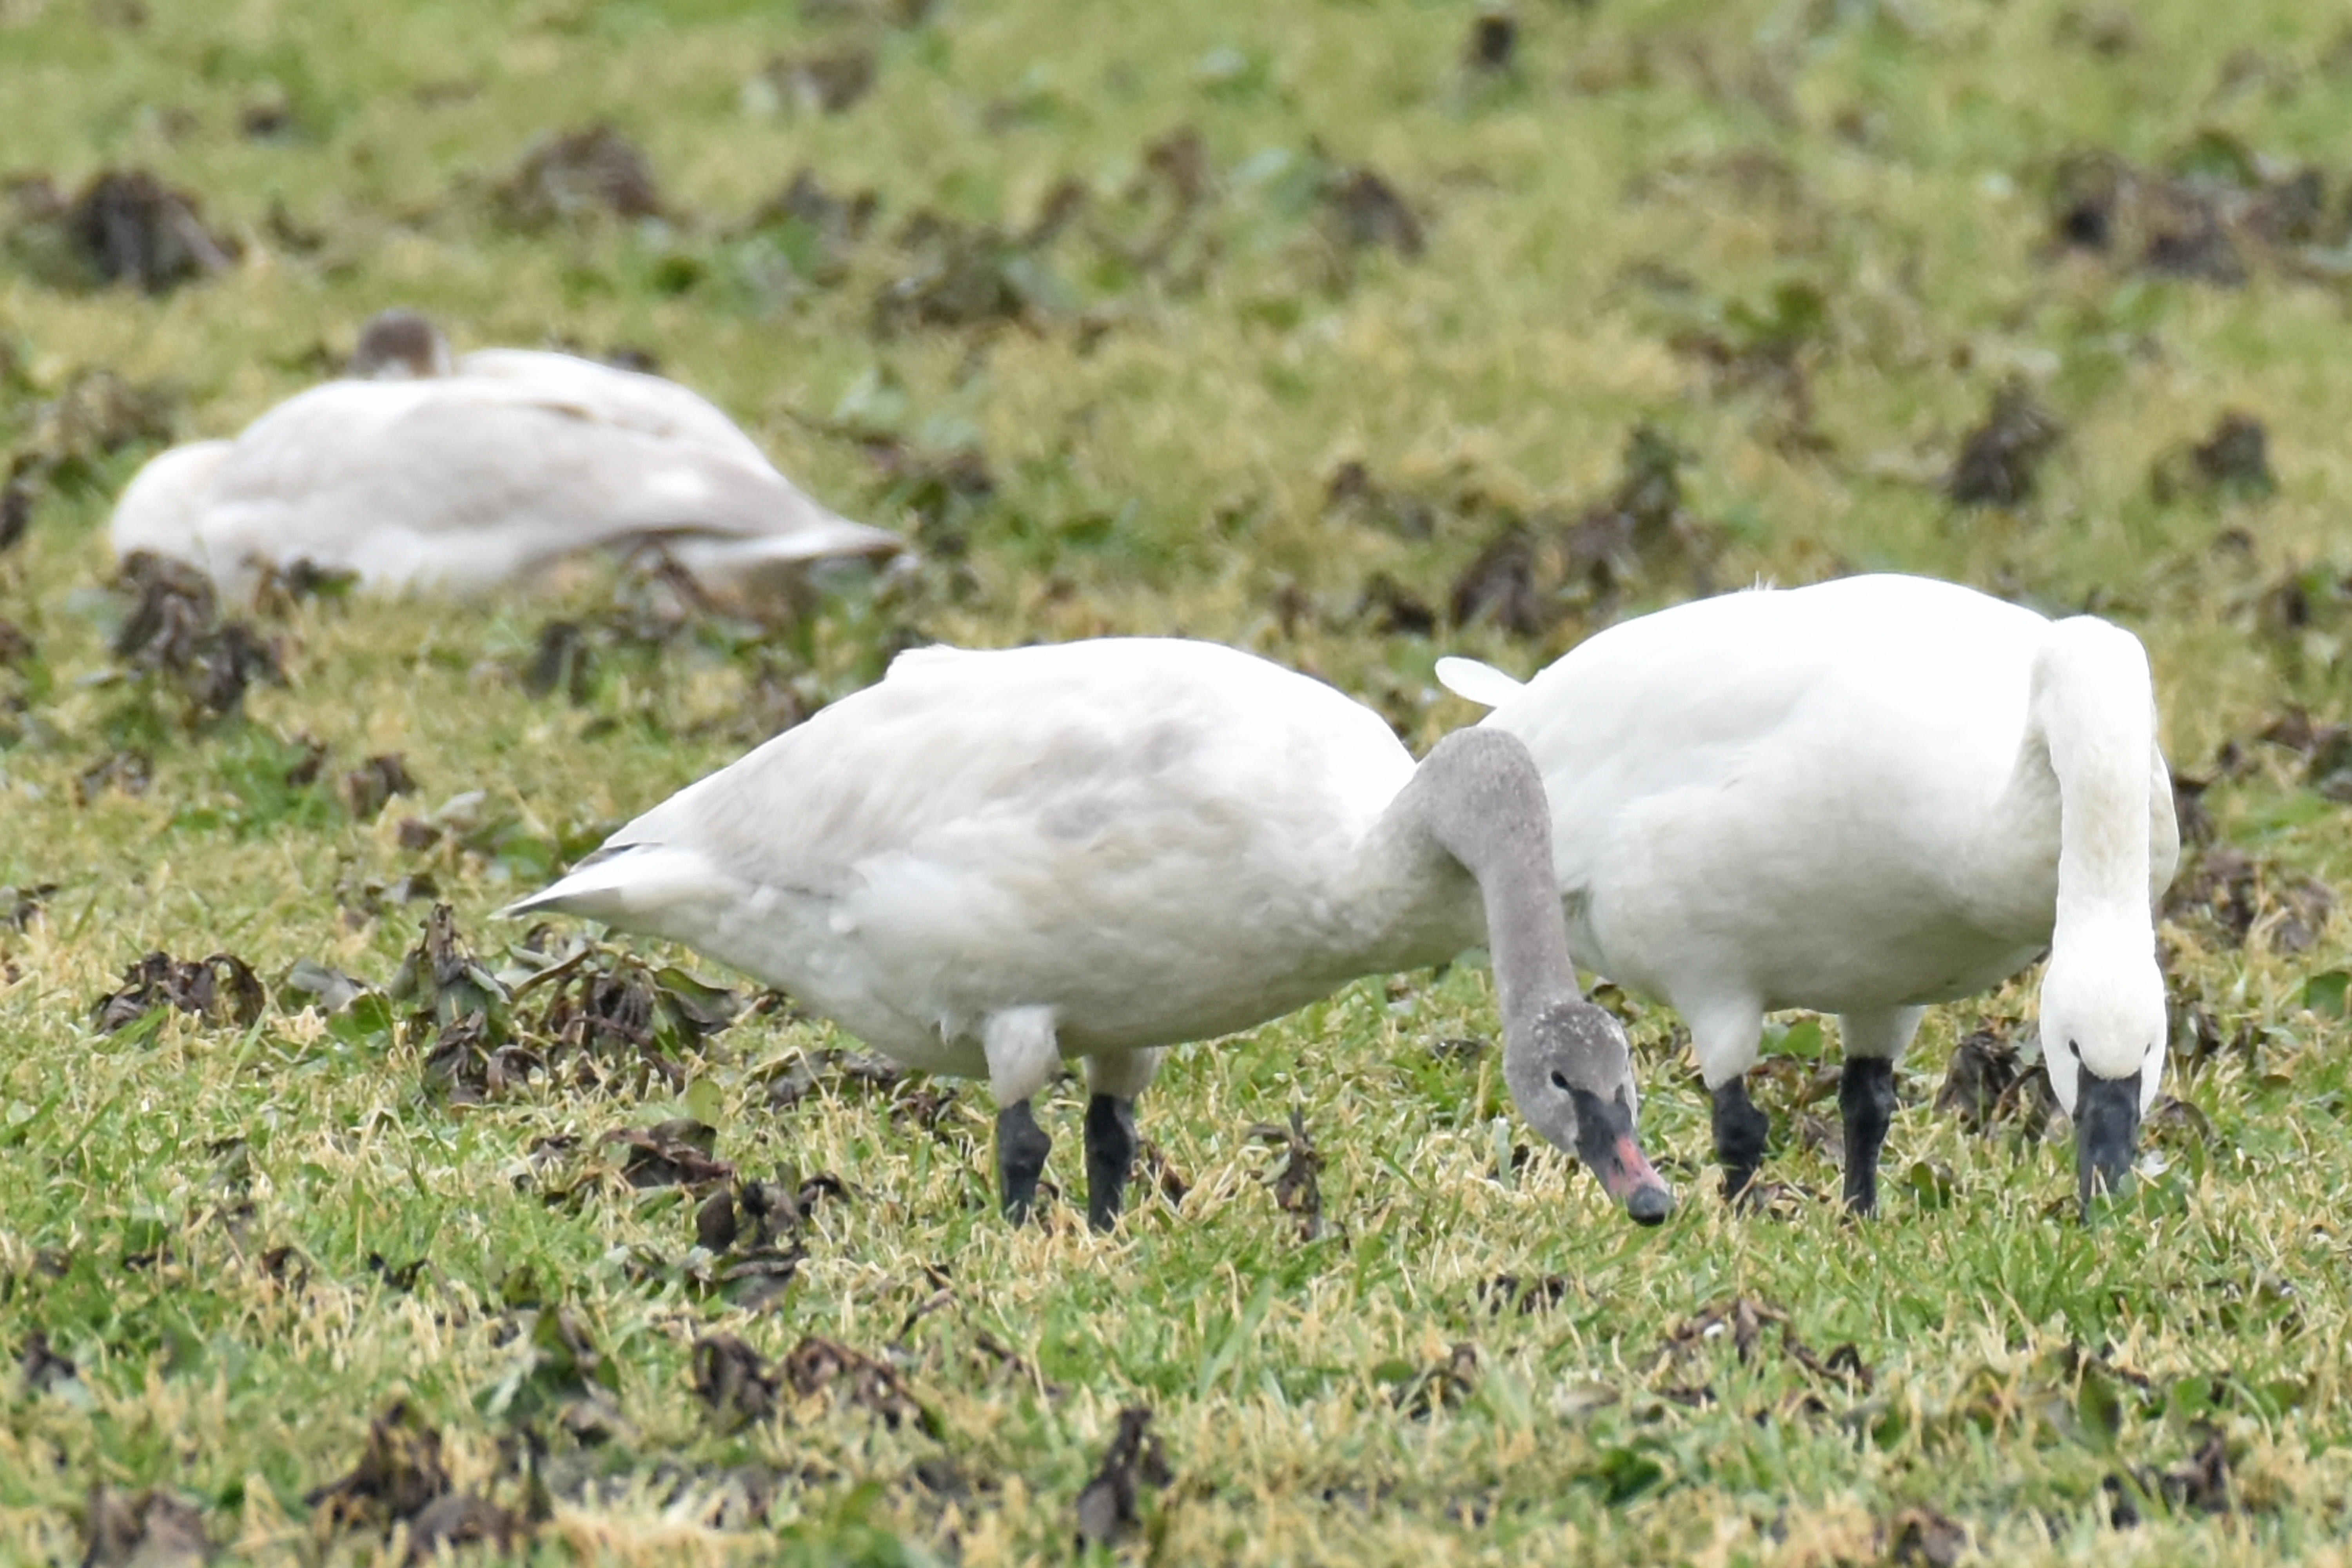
{"points": [[2076, 1048], [1558, 1080]]}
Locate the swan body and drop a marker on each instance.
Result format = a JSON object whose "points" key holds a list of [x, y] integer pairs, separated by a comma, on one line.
{"points": [[421, 473], [1862, 798], [992, 861]]}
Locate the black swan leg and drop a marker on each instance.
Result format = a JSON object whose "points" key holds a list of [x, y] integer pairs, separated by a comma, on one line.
{"points": [[1020, 1149], [1110, 1157], [1740, 1133], [1866, 1096]]}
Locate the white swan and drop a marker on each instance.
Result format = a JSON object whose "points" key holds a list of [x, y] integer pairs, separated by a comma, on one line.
{"points": [[1861, 797], [419, 473], [991, 862]]}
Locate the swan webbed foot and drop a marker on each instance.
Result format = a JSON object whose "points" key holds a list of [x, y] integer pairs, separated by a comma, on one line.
{"points": [[1866, 1099], [1020, 1149], [1739, 1133], [1110, 1157]]}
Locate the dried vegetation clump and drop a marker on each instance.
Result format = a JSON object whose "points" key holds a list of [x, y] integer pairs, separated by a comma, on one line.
{"points": [[592, 1013], [125, 226], [173, 639]]}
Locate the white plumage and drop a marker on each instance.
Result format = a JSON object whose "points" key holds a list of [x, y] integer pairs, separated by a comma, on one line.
{"points": [[1862, 798], [993, 860], [468, 478]]}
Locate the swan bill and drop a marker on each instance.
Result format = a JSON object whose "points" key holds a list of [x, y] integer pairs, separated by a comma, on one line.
{"points": [[2107, 1134], [1606, 1144]]}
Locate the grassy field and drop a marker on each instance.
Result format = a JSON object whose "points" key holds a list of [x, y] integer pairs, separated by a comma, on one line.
{"points": [[1353, 334]]}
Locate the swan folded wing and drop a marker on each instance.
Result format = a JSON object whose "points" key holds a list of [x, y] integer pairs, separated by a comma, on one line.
{"points": [[1791, 720], [946, 755], [625, 399], [997, 828]]}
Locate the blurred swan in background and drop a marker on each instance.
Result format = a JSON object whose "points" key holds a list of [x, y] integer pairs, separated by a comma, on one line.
{"points": [[419, 471]]}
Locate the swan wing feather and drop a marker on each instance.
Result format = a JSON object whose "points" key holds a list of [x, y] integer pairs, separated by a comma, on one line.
{"points": [[1477, 681]]}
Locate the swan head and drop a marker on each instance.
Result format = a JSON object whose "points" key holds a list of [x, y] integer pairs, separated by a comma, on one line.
{"points": [[2103, 1043], [400, 345], [1571, 1075]]}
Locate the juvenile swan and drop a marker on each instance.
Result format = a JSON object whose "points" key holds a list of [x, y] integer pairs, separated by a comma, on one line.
{"points": [[991, 862], [469, 476], [1859, 798]]}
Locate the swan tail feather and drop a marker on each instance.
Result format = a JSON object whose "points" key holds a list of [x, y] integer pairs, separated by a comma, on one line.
{"points": [[1479, 682], [619, 881]]}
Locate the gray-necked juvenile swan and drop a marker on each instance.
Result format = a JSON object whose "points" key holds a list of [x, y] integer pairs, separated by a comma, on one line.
{"points": [[1859, 798], [421, 472], [991, 862]]}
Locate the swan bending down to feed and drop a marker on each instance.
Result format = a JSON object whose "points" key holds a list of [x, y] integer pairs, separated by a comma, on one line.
{"points": [[1859, 798], [993, 860], [421, 472]]}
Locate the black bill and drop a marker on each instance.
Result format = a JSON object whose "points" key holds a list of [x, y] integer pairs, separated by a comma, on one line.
{"points": [[2106, 1133]]}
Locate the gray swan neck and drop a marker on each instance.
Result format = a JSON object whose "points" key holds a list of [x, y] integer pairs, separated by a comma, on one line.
{"points": [[1477, 800]]}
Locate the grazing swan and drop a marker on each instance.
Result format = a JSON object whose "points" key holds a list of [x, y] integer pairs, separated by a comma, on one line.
{"points": [[1859, 798], [421, 473], [991, 862]]}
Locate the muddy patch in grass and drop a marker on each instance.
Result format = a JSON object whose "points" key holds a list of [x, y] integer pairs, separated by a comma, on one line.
{"points": [[572, 175], [1110, 1506], [596, 1015], [2241, 901], [172, 639], [962, 275], [1987, 1085], [817, 82], [401, 1480], [741, 1385], [98, 413], [153, 1529], [2000, 460], [1540, 567], [2232, 461]]}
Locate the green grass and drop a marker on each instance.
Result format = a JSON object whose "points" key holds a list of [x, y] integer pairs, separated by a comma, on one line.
{"points": [[1806, 242]]}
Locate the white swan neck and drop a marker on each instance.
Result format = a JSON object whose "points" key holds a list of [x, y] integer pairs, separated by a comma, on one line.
{"points": [[2094, 704]]}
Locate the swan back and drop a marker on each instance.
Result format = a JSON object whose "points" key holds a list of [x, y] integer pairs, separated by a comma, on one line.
{"points": [[625, 399], [1155, 836], [1857, 721]]}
